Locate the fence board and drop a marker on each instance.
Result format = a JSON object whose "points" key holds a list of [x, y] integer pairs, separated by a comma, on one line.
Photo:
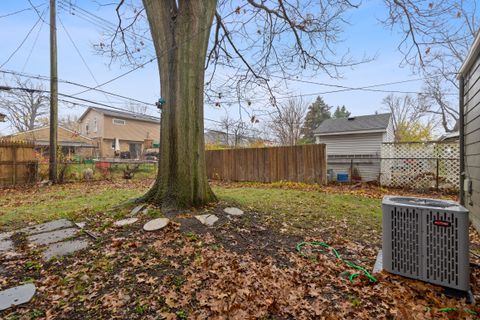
{"points": [[18, 163], [305, 163]]}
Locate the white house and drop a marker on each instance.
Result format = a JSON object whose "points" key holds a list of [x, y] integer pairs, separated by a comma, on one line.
{"points": [[356, 143]]}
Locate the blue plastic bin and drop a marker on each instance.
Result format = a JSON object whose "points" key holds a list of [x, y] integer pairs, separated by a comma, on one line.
{"points": [[342, 177]]}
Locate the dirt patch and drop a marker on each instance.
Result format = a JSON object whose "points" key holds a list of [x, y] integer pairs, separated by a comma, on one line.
{"points": [[241, 234]]}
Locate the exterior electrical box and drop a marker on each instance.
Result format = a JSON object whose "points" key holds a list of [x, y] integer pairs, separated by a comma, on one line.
{"points": [[426, 239]]}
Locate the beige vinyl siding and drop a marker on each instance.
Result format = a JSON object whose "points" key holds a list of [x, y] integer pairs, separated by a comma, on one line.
{"points": [[353, 144], [472, 140], [90, 118], [133, 130]]}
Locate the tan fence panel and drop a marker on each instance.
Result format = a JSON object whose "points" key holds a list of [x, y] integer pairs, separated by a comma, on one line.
{"points": [[18, 164], [306, 163]]}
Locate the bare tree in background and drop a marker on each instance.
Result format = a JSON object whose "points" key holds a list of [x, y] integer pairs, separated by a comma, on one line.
{"points": [[70, 122], [407, 111], [286, 124], [137, 107], [24, 108], [235, 130], [437, 37]]}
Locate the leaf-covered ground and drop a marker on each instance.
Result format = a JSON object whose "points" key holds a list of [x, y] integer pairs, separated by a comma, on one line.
{"points": [[242, 268]]}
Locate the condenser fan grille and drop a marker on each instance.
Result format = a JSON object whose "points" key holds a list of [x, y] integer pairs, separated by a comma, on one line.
{"points": [[441, 247], [405, 241]]}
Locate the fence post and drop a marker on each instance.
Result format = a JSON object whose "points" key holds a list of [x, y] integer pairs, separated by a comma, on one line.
{"points": [[14, 164], [351, 170], [438, 161]]}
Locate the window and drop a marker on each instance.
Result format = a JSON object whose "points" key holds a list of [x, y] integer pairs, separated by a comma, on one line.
{"points": [[87, 129], [95, 125], [119, 122], [113, 144]]}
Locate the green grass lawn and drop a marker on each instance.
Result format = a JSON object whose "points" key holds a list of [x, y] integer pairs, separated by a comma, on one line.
{"points": [[298, 211], [292, 211], [75, 201]]}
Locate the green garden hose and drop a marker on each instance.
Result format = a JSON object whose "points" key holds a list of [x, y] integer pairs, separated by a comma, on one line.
{"points": [[351, 264], [367, 274], [455, 309]]}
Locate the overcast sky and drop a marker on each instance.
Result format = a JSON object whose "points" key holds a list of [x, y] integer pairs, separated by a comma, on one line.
{"points": [[364, 36]]}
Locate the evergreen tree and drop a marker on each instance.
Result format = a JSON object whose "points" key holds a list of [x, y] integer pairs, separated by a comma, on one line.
{"points": [[341, 112], [317, 112]]}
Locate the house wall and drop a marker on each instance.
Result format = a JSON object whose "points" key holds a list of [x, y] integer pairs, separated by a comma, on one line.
{"points": [[359, 149], [91, 118], [472, 140], [105, 131], [353, 144], [133, 130]]}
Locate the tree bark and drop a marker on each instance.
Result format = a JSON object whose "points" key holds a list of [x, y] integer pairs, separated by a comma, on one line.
{"points": [[180, 35]]}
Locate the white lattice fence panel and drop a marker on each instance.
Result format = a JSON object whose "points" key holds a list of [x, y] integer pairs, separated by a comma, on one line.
{"points": [[420, 165]]}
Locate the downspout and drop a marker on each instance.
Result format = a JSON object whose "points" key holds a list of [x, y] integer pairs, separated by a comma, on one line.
{"points": [[462, 138]]}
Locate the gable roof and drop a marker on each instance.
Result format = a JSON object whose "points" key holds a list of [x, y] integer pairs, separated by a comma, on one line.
{"points": [[66, 137], [350, 125], [121, 115]]}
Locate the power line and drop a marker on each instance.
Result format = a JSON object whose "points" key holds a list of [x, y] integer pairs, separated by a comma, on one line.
{"points": [[45, 78], [80, 54], [15, 12], [8, 88], [149, 104], [158, 55], [33, 47], [23, 41], [100, 21], [117, 77], [40, 16]]}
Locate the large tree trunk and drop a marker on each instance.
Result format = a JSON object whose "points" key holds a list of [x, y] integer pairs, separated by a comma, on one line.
{"points": [[181, 35]]}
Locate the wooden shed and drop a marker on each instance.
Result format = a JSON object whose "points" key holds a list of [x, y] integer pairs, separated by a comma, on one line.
{"points": [[469, 84]]}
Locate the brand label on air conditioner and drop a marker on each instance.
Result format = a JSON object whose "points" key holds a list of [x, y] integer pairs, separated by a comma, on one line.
{"points": [[441, 223]]}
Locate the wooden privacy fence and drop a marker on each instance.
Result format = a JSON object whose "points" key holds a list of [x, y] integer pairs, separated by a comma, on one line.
{"points": [[18, 164], [305, 163]]}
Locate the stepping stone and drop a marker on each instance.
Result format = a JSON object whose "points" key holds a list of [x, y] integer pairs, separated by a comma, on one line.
{"points": [[5, 235], [53, 236], [6, 245], [207, 219], [125, 222], [63, 248], [81, 225], [16, 295], [378, 267], [156, 224], [233, 211], [49, 226], [137, 209]]}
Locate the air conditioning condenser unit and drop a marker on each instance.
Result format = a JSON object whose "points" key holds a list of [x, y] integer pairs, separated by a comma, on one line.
{"points": [[426, 239]]}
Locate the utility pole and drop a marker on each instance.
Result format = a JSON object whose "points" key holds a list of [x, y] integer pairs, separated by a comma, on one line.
{"points": [[52, 169]]}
